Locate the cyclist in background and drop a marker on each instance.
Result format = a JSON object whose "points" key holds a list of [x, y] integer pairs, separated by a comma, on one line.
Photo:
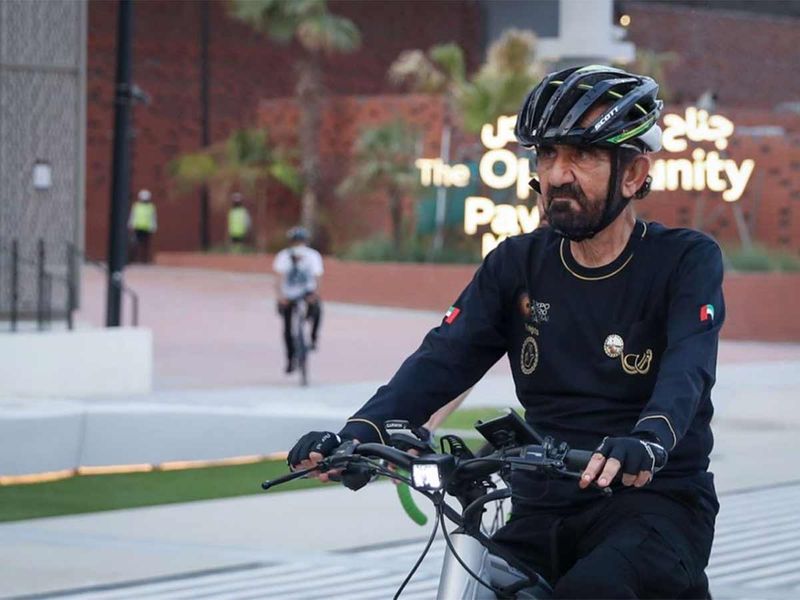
{"points": [[611, 327], [299, 268]]}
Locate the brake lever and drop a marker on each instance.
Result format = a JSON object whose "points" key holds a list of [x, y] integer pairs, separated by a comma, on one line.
{"points": [[287, 478]]}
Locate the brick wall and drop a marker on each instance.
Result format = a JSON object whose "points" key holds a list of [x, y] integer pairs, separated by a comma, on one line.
{"points": [[344, 117], [750, 60], [771, 200], [770, 203], [244, 68]]}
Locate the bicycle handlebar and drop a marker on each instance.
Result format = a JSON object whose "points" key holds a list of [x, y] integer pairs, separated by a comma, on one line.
{"points": [[524, 457]]}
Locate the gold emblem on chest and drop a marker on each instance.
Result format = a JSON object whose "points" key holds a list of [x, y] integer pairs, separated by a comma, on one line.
{"points": [[637, 364], [529, 356], [632, 364]]}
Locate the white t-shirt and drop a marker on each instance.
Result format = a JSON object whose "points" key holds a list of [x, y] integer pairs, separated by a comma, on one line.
{"points": [[299, 268]]}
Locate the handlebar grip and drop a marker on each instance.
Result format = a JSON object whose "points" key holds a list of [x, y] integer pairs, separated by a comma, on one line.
{"points": [[393, 455], [576, 460]]}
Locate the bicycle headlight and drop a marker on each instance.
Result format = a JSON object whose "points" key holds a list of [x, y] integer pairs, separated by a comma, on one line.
{"points": [[432, 471]]}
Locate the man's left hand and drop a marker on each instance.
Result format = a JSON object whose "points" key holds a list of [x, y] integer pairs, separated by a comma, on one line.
{"points": [[638, 460]]}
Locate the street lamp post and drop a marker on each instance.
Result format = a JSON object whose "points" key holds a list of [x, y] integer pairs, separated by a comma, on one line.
{"points": [[120, 184]]}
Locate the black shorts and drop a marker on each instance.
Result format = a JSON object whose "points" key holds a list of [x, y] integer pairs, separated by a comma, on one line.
{"points": [[636, 544]]}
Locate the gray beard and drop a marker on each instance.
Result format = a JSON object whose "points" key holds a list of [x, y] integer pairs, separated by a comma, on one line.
{"points": [[572, 225]]}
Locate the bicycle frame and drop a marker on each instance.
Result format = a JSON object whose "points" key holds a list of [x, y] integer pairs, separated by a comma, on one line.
{"points": [[470, 545], [455, 582], [299, 310]]}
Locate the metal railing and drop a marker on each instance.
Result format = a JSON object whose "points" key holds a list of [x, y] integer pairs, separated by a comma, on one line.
{"points": [[44, 281], [127, 291]]}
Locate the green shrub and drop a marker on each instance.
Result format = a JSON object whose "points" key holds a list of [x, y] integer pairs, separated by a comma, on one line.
{"points": [[760, 259], [787, 262], [414, 249], [376, 249], [225, 248]]}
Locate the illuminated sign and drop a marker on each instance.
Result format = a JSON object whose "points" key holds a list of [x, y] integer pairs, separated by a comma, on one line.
{"points": [[501, 169], [503, 220], [705, 169]]}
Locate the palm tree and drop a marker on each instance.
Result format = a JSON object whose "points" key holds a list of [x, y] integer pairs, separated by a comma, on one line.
{"points": [[384, 157], [655, 64], [442, 70], [318, 32], [245, 160], [500, 85]]}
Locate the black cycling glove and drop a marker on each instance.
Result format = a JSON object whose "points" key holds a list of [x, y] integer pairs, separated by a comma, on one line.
{"points": [[324, 442], [634, 454]]}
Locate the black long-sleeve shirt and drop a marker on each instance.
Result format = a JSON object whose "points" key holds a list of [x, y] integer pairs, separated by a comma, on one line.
{"points": [[627, 347]]}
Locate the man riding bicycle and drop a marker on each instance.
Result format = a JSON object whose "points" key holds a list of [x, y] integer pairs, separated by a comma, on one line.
{"points": [[299, 268], [611, 327]]}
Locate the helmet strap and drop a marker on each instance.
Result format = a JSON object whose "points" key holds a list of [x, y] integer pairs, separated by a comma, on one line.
{"points": [[615, 201]]}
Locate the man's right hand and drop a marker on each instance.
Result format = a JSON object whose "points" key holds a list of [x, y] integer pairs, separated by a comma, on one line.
{"points": [[311, 449], [281, 305]]}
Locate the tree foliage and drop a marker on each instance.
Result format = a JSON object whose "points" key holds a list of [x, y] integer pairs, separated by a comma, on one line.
{"points": [[307, 21], [655, 64], [500, 85], [245, 159], [384, 161], [318, 32]]}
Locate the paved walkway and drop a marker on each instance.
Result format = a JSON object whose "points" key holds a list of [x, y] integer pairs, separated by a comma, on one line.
{"points": [[756, 554], [216, 330]]}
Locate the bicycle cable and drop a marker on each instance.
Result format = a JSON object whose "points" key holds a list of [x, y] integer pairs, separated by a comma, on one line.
{"points": [[421, 557], [498, 592]]}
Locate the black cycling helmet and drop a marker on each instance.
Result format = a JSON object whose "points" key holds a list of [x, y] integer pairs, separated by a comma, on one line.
{"points": [[554, 111], [298, 234]]}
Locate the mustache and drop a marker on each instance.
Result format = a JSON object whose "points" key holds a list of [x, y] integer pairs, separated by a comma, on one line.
{"points": [[568, 190]]}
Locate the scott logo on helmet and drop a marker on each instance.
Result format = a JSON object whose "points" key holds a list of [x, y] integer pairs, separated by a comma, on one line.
{"points": [[606, 117]]}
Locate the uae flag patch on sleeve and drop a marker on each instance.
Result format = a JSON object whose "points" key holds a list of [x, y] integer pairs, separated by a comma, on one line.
{"points": [[451, 314], [707, 312]]}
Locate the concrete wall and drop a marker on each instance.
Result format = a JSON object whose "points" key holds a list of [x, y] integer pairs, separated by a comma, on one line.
{"points": [[46, 436], [42, 119], [71, 364], [39, 439]]}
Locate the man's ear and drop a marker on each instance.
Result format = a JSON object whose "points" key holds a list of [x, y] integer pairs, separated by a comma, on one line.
{"points": [[634, 175]]}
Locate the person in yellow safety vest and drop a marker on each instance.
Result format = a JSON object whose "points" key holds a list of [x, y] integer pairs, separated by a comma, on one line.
{"points": [[143, 223], [238, 222]]}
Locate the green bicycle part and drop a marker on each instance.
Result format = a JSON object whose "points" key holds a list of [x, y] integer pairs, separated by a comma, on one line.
{"points": [[411, 508]]}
